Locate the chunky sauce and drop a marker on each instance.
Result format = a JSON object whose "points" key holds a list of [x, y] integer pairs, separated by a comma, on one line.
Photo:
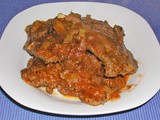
{"points": [[79, 57]]}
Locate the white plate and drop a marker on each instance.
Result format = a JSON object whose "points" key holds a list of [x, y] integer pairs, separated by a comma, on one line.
{"points": [[139, 39]]}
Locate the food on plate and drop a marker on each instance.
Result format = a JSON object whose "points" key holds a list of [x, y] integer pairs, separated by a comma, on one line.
{"points": [[78, 56]]}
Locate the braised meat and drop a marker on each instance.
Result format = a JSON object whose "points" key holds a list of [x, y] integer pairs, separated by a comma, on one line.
{"points": [[78, 56], [106, 43], [89, 86], [49, 41]]}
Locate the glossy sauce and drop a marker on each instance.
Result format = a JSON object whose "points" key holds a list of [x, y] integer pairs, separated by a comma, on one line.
{"points": [[80, 57]]}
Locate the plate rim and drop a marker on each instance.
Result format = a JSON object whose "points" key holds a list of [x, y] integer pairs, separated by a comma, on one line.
{"points": [[81, 114]]}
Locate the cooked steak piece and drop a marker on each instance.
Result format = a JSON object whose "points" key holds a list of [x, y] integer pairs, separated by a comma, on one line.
{"points": [[107, 44], [79, 56], [80, 75], [81, 81], [54, 39], [117, 60]]}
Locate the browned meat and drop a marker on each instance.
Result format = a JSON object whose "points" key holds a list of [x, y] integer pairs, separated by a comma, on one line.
{"points": [[107, 44], [79, 56], [50, 41], [37, 74], [70, 81]]}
